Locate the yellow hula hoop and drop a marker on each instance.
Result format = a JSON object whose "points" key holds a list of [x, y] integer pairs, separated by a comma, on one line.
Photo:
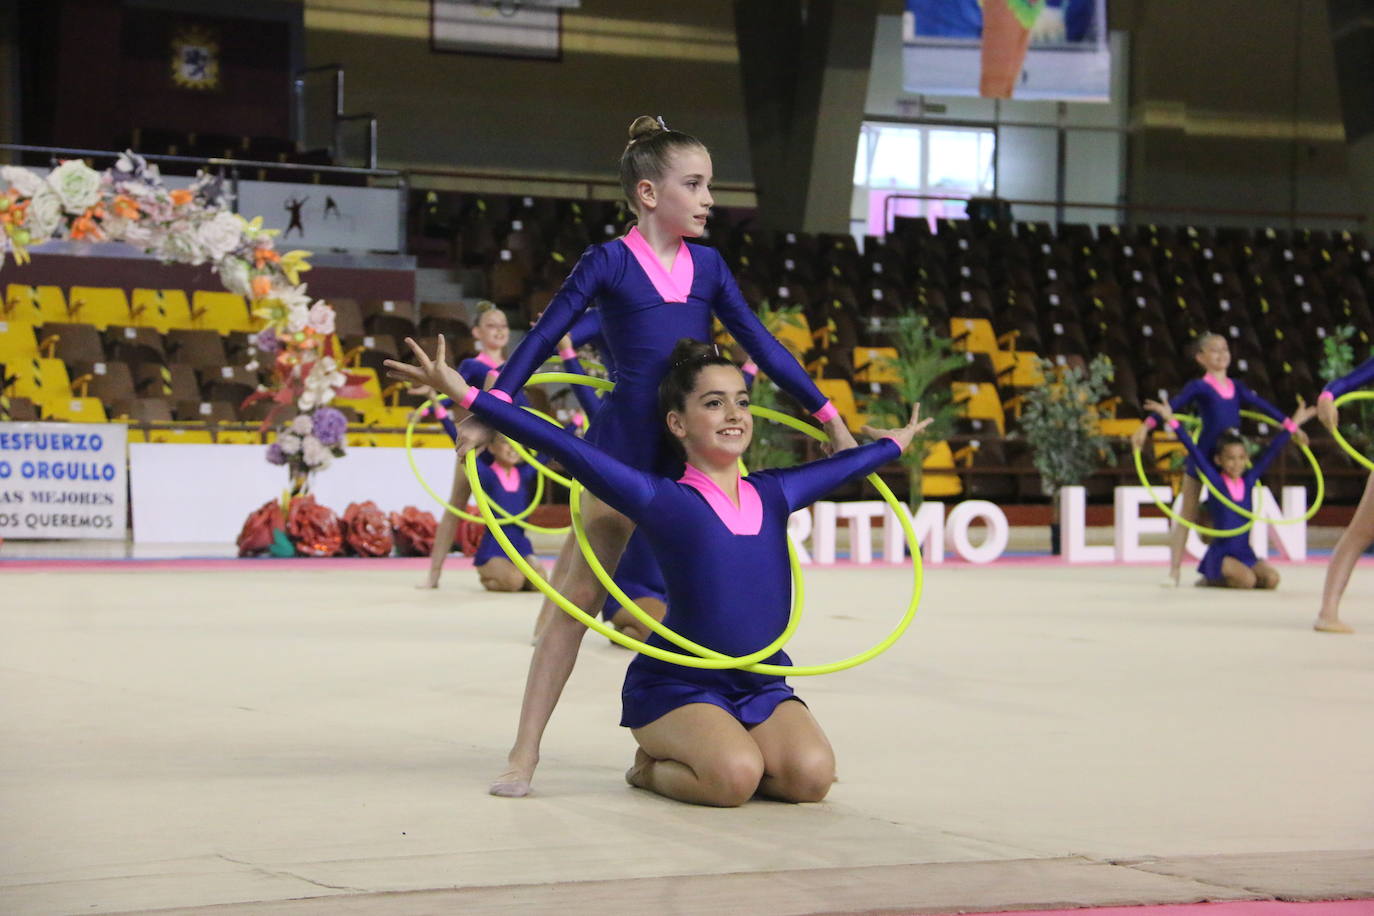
{"points": [[784, 670], [1336, 433], [1168, 510], [1246, 513], [519, 517], [716, 660]]}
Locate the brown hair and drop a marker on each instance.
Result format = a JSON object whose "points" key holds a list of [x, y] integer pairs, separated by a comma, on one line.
{"points": [[647, 154], [689, 358]]}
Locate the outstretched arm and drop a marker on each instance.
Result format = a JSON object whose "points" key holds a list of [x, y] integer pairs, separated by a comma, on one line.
{"points": [[1291, 427], [804, 484], [1361, 377], [1204, 462], [773, 358], [585, 394], [572, 300]]}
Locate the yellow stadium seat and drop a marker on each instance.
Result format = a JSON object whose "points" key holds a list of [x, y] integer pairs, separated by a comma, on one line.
{"points": [[980, 402], [1117, 427], [238, 437], [381, 415], [35, 304], [180, 436], [1165, 450], [876, 365], [372, 400], [842, 396], [222, 312], [940, 458], [77, 410], [1017, 369], [433, 440], [162, 309], [40, 380], [101, 306], [17, 341], [973, 334]]}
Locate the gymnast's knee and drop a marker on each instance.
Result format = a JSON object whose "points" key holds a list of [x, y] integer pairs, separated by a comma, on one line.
{"points": [[1267, 579], [807, 777], [732, 779], [508, 581]]}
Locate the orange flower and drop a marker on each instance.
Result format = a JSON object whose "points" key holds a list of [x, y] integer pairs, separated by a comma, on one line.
{"points": [[262, 286], [126, 207], [15, 214], [181, 196], [263, 255], [85, 227]]}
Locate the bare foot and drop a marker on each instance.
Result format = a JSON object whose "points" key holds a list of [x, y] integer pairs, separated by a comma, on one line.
{"points": [[1172, 581], [638, 775], [428, 583], [514, 783], [1324, 625]]}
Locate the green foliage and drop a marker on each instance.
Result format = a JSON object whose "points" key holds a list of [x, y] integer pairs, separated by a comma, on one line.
{"points": [[923, 356], [1338, 358], [1060, 422], [773, 446]]}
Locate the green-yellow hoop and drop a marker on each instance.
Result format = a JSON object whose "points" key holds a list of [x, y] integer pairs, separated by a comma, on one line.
{"points": [[1341, 440], [1246, 513], [712, 659]]}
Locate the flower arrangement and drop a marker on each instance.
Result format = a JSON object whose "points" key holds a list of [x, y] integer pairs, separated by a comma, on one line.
{"points": [[129, 203]]}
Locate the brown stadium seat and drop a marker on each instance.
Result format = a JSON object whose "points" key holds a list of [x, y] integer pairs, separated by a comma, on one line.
{"points": [[200, 349]]}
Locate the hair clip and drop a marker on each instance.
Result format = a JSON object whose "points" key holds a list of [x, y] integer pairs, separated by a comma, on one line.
{"points": [[661, 124]]}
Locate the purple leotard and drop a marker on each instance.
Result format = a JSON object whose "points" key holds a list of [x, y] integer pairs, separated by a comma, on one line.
{"points": [[726, 567], [1239, 492], [1218, 406], [512, 491], [1359, 377], [645, 310]]}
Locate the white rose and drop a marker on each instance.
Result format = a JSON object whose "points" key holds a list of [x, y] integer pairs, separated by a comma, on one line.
{"points": [[182, 247], [76, 183], [302, 425], [297, 319], [141, 235], [322, 318], [234, 274], [220, 235], [290, 443], [44, 214], [22, 180], [316, 454], [295, 296]]}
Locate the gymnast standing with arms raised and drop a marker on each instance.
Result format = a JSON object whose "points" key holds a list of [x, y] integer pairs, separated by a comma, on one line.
{"points": [[705, 736], [652, 289], [1359, 534]]}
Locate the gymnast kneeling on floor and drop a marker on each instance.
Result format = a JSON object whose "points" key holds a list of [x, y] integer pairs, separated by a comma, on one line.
{"points": [[705, 736], [1230, 562]]}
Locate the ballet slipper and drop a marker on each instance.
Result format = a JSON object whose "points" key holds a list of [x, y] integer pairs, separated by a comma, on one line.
{"points": [[1332, 626]]}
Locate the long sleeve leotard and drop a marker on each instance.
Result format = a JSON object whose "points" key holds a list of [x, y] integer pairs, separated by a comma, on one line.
{"points": [[1218, 406], [645, 310], [1240, 491], [725, 565], [1362, 376]]}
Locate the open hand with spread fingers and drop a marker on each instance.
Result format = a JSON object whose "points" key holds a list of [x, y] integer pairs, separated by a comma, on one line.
{"points": [[435, 373], [905, 434]]}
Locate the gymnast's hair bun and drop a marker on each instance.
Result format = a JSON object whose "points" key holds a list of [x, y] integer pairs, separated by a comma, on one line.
{"points": [[645, 126]]}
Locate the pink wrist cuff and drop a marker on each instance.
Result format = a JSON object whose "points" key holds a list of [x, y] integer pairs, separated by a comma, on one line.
{"points": [[826, 413], [498, 393], [895, 442], [468, 397], [1325, 396], [1150, 422], [1173, 424], [567, 354], [493, 374], [751, 367], [439, 412], [1289, 425]]}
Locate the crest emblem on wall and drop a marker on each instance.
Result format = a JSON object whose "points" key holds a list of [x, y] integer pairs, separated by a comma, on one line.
{"points": [[195, 58]]}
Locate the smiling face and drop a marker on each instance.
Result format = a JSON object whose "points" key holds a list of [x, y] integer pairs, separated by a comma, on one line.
{"points": [[1232, 458], [504, 453], [1214, 355], [715, 423], [680, 200], [492, 331]]}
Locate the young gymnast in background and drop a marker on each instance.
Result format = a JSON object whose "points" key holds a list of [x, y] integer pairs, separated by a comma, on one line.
{"points": [[1217, 400], [652, 288], [711, 737], [1230, 562], [1359, 534]]}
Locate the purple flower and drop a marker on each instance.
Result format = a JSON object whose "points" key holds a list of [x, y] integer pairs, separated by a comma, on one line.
{"points": [[330, 426], [275, 455], [266, 341]]}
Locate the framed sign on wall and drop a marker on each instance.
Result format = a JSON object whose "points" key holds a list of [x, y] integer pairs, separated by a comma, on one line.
{"points": [[502, 28]]}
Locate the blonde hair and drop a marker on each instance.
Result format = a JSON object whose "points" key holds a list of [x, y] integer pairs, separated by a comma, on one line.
{"points": [[647, 154], [481, 309]]}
